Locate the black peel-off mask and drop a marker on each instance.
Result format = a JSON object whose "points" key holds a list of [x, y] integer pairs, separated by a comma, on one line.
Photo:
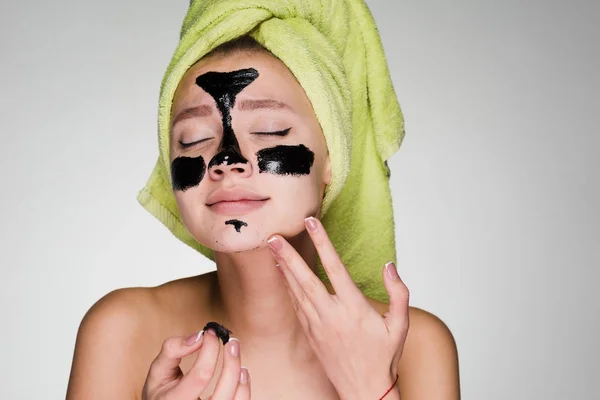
{"points": [[187, 172], [237, 224], [224, 87], [285, 160], [222, 332]]}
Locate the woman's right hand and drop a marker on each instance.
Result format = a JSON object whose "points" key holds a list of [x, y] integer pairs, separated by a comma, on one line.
{"points": [[166, 381]]}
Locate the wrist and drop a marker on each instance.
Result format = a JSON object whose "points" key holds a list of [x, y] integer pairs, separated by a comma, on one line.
{"points": [[384, 390], [392, 393]]}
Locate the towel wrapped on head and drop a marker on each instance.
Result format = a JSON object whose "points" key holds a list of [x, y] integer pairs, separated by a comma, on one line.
{"points": [[333, 49]]}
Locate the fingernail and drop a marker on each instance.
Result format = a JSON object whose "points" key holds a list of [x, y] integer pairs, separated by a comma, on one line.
{"points": [[234, 347], [391, 270], [244, 375], [311, 224], [212, 332], [190, 340], [275, 243]]}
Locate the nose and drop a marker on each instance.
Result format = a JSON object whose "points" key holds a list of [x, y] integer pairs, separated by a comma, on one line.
{"points": [[229, 163]]}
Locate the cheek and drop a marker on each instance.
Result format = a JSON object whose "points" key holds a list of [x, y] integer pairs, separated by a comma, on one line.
{"points": [[195, 217], [285, 160], [187, 172], [295, 199], [297, 176], [189, 205]]}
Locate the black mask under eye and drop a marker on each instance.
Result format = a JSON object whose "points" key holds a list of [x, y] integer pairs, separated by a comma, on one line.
{"points": [[187, 172], [285, 160]]}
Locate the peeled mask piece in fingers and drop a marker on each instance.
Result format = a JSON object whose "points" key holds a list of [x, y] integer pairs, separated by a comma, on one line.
{"points": [[222, 332]]}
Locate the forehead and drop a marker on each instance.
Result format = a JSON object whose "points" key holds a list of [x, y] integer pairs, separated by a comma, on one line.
{"points": [[275, 81]]}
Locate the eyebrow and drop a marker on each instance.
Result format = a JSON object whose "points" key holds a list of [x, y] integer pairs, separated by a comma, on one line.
{"points": [[244, 105], [193, 112], [248, 105]]}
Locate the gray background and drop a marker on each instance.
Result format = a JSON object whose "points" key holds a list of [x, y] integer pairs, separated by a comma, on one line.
{"points": [[495, 187]]}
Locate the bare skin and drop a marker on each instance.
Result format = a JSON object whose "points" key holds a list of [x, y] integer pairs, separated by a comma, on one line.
{"points": [[122, 333], [146, 316]]}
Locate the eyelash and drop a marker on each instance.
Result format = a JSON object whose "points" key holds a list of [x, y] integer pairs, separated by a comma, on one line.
{"points": [[275, 133], [186, 145]]}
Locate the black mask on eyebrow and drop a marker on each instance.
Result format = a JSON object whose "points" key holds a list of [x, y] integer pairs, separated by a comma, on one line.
{"points": [[224, 87]]}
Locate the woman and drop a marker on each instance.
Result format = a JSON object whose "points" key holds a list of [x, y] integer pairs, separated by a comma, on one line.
{"points": [[256, 146]]}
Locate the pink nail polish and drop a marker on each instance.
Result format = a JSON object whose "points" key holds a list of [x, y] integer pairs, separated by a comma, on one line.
{"points": [[391, 270], [234, 347], [275, 243], [212, 332], [311, 224], [244, 375], [192, 339]]}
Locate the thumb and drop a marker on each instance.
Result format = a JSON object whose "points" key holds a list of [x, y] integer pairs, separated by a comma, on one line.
{"points": [[397, 316], [166, 364]]}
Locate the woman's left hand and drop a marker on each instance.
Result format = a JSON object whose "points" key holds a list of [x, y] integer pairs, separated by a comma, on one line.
{"points": [[358, 348]]}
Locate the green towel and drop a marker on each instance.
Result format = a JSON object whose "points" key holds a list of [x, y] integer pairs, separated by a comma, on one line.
{"points": [[333, 49]]}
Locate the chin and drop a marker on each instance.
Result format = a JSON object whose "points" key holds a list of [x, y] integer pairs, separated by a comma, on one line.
{"points": [[233, 238], [235, 234], [251, 237], [238, 242]]}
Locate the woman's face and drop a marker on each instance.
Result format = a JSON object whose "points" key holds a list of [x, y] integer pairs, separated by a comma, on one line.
{"points": [[248, 157]]}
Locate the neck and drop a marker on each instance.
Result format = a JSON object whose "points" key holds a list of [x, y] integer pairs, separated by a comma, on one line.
{"points": [[252, 301]]}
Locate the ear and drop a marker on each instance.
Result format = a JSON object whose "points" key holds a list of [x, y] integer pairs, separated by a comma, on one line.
{"points": [[327, 171]]}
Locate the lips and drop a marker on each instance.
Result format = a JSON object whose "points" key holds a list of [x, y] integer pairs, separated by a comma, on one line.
{"points": [[235, 201]]}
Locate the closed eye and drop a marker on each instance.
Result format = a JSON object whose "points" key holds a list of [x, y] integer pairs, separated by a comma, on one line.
{"points": [[275, 133], [186, 145]]}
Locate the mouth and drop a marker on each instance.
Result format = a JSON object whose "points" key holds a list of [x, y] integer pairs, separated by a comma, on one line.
{"points": [[237, 207], [235, 201]]}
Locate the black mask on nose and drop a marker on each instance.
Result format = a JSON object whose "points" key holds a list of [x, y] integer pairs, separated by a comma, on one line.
{"points": [[224, 87]]}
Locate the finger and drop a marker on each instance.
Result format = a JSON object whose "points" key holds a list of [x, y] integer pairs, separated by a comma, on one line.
{"points": [[297, 309], [340, 279], [243, 389], [165, 366], [397, 316], [202, 371], [230, 374], [306, 288], [309, 329]]}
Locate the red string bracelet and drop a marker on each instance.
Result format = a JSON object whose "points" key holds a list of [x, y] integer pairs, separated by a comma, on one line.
{"points": [[390, 389]]}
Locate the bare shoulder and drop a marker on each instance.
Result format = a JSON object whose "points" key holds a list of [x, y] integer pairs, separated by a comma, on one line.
{"points": [[121, 334], [122, 308], [420, 320], [429, 363], [106, 338], [429, 331], [428, 368]]}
